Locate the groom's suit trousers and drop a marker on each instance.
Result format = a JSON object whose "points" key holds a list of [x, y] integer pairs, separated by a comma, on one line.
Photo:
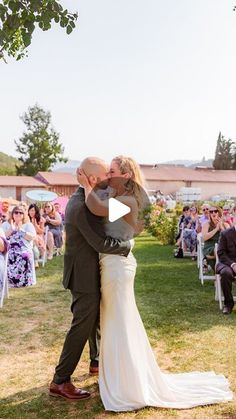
{"points": [[85, 309]]}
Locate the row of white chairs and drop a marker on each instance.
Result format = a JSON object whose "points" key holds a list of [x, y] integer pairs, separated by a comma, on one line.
{"points": [[209, 277]]}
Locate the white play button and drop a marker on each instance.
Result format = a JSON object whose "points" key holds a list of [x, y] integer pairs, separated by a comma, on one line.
{"points": [[116, 209]]}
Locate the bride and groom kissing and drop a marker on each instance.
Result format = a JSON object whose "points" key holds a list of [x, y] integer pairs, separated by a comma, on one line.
{"points": [[99, 270]]}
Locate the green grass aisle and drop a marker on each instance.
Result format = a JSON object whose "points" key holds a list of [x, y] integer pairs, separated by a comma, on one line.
{"points": [[184, 324]]}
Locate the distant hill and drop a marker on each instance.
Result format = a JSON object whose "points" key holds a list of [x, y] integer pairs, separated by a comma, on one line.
{"points": [[181, 162], [203, 163], [7, 164], [191, 163], [69, 167]]}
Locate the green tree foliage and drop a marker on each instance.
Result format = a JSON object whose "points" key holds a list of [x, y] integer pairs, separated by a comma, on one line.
{"points": [[18, 20], [39, 147], [234, 158], [224, 154]]}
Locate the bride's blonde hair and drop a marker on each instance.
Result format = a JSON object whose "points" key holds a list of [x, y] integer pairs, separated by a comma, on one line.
{"points": [[136, 184]]}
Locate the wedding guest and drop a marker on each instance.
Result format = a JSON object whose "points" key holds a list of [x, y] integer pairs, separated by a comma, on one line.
{"points": [[20, 234], [191, 227], [210, 233], [3, 250], [57, 207], [233, 213], [38, 222], [54, 222], [5, 211], [227, 216], [24, 206], [205, 214], [227, 266], [185, 213]]}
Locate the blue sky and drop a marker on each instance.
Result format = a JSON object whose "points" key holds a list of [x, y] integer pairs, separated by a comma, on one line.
{"points": [[153, 79]]}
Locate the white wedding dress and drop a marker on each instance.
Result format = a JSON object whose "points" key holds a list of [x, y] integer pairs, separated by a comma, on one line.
{"points": [[129, 376]]}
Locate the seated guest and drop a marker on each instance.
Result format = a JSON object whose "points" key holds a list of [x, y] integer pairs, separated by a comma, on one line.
{"points": [[20, 234], [233, 213], [23, 205], [191, 227], [205, 214], [210, 233], [5, 211], [186, 213], [38, 223], [227, 266], [57, 207], [54, 223], [227, 216]]}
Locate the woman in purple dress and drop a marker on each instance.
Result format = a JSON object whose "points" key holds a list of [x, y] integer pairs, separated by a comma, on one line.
{"points": [[20, 234]]}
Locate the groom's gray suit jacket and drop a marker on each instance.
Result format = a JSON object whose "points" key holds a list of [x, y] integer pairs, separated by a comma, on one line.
{"points": [[85, 238]]}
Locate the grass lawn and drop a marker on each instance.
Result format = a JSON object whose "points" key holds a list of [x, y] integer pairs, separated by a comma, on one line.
{"points": [[184, 324]]}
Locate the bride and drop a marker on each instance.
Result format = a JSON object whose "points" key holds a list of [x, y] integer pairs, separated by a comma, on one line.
{"points": [[129, 376]]}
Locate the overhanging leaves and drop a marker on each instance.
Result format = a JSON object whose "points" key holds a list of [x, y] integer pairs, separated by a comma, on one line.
{"points": [[18, 20]]}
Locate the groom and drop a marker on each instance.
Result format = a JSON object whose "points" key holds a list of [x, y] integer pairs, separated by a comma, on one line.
{"points": [[85, 239]]}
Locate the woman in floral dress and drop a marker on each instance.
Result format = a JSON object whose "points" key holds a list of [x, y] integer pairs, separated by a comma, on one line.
{"points": [[20, 234]]}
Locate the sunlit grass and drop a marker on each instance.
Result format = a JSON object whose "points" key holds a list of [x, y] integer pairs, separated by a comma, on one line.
{"points": [[186, 329]]}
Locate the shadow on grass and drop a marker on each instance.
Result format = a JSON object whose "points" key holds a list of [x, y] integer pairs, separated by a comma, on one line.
{"points": [[169, 294], [36, 403]]}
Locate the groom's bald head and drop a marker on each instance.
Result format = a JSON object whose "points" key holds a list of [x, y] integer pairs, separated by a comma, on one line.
{"points": [[93, 166], [95, 169]]}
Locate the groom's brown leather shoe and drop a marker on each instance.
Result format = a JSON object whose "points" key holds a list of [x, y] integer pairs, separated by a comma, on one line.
{"points": [[68, 391], [94, 367]]}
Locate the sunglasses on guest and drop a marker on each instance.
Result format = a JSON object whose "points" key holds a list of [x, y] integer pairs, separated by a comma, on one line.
{"points": [[205, 209], [213, 211], [18, 212]]}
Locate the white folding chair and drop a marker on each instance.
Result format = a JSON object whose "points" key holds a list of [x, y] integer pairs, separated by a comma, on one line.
{"points": [[218, 290], [43, 258], [199, 249], [203, 276], [4, 291]]}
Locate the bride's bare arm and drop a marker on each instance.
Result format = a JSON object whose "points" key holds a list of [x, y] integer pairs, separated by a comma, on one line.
{"points": [[100, 207], [93, 202]]}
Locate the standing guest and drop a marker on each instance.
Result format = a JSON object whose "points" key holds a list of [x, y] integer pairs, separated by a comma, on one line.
{"points": [[3, 250], [210, 233], [38, 223], [54, 222], [227, 266], [20, 234], [205, 214]]}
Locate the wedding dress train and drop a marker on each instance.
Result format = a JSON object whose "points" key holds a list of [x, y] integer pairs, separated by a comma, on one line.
{"points": [[129, 376]]}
